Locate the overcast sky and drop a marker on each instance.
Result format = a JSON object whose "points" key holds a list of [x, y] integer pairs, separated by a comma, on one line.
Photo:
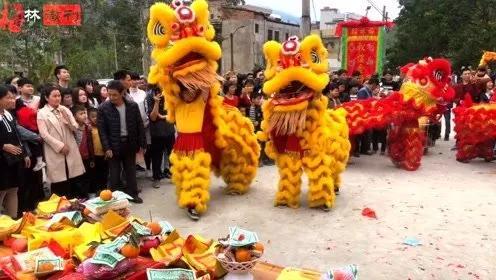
{"points": [[354, 6]]}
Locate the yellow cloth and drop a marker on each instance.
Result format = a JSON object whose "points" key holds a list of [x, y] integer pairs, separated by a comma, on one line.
{"points": [[97, 144], [298, 274], [52, 205], [195, 250], [91, 233], [7, 226], [189, 116]]}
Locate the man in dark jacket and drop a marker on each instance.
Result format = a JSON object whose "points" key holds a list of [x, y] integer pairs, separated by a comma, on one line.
{"points": [[363, 140], [122, 135]]}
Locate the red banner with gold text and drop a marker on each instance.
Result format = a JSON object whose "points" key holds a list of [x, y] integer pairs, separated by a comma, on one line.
{"points": [[362, 50], [362, 45]]}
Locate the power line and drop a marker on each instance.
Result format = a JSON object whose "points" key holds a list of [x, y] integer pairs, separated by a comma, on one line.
{"points": [[375, 7], [314, 11]]}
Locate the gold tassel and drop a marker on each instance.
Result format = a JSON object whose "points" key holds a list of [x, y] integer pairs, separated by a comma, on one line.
{"points": [[287, 123], [200, 82]]}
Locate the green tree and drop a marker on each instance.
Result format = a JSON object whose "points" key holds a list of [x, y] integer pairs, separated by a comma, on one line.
{"points": [[457, 29]]}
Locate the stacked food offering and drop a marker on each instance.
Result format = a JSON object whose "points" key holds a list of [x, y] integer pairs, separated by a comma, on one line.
{"points": [[100, 239]]}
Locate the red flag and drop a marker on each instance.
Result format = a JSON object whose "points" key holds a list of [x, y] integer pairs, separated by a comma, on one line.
{"points": [[62, 15]]}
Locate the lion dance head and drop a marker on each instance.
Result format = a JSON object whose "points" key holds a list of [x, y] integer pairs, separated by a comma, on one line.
{"points": [[296, 74], [427, 83], [184, 52]]}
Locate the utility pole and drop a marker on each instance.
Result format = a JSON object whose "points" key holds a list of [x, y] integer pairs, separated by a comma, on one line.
{"points": [[305, 18], [384, 17]]}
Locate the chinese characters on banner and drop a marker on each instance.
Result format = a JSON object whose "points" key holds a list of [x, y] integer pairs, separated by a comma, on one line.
{"points": [[362, 50], [362, 45], [14, 16]]}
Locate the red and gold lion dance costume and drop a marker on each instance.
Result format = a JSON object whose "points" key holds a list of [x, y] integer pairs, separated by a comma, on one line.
{"points": [[210, 135], [475, 126], [301, 134], [424, 92]]}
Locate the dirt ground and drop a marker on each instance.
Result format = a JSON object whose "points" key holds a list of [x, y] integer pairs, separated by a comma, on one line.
{"points": [[448, 206]]}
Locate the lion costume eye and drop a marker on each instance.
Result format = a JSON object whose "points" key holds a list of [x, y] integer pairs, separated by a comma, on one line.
{"points": [[158, 29], [315, 57], [177, 3], [438, 75]]}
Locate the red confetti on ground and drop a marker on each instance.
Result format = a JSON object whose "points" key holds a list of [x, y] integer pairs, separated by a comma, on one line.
{"points": [[367, 212]]}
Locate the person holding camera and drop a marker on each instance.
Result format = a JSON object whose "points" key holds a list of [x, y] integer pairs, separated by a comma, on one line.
{"points": [[162, 133]]}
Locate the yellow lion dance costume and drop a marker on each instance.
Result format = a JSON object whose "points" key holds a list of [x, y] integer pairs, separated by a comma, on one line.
{"points": [[301, 134], [210, 136]]}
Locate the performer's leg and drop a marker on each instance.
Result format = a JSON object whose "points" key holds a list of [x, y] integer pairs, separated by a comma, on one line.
{"points": [[290, 171], [375, 140], [447, 124], [395, 146], [191, 175], [414, 142], [321, 180], [237, 171], [487, 150], [239, 160], [465, 152]]}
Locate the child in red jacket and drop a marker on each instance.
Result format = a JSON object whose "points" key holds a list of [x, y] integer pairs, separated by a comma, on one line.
{"points": [[26, 117]]}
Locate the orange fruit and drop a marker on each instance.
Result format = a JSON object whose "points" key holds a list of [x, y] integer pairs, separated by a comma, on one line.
{"points": [[106, 195], [46, 267], [19, 245], [258, 247], [155, 228], [129, 251], [242, 255]]}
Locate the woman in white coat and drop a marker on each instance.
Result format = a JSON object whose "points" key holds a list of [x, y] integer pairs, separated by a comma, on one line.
{"points": [[64, 164]]}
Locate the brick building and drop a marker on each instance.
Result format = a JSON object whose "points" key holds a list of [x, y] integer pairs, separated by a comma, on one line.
{"points": [[251, 27]]}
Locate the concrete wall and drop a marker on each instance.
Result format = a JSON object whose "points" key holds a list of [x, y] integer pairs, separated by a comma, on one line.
{"points": [[248, 44], [243, 48], [329, 17]]}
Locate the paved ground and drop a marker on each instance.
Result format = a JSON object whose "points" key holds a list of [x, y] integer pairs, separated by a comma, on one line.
{"points": [[447, 205]]}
